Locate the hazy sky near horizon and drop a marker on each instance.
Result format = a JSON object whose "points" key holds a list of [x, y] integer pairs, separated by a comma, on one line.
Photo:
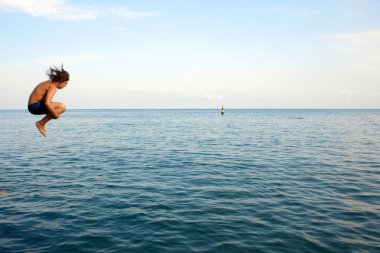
{"points": [[194, 53]]}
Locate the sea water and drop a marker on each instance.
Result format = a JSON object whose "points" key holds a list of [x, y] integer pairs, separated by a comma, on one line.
{"points": [[191, 181]]}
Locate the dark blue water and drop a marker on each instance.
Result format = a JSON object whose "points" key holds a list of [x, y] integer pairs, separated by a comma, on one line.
{"points": [[191, 181]]}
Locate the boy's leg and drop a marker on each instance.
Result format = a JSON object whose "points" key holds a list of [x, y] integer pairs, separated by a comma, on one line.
{"points": [[59, 108], [41, 125]]}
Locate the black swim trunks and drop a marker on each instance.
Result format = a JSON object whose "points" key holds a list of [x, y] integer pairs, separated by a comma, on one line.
{"points": [[38, 108]]}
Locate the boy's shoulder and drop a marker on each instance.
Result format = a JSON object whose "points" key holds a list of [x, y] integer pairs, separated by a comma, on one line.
{"points": [[46, 84]]}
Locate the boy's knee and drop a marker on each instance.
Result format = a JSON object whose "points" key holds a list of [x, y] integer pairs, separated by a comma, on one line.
{"points": [[62, 107]]}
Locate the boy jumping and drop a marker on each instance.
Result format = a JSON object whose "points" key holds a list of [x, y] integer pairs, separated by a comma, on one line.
{"points": [[40, 101]]}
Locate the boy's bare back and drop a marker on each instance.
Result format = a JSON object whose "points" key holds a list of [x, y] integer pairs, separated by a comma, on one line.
{"points": [[39, 93]]}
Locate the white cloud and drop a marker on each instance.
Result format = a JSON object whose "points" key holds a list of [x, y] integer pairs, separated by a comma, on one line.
{"points": [[284, 12], [68, 59], [213, 96], [362, 49], [119, 29], [300, 13], [355, 42], [59, 9]]}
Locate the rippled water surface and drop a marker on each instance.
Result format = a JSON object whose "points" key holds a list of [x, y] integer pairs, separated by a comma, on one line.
{"points": [[191, 181]]}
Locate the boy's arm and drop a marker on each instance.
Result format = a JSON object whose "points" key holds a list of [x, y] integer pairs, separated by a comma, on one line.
{"points": [[48, 98]]}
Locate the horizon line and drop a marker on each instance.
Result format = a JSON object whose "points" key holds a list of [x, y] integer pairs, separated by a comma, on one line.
{"points": [[209, 108]]}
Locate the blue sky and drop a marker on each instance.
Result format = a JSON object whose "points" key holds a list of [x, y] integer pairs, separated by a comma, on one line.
{"points": [[194, 53]]}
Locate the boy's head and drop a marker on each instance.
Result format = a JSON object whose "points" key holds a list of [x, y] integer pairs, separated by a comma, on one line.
{"points": [[58, 75]]}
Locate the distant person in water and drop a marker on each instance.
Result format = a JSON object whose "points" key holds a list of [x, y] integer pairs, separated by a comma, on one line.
{"points": [[40, 101]]}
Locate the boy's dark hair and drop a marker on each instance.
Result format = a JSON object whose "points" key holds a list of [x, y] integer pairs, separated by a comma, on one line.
{"points": [[58, 75]]}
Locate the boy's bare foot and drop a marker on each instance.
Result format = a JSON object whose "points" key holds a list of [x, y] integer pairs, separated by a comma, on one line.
{"points": [[41, 128]]}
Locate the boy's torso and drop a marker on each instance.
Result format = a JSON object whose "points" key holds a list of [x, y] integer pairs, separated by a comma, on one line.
{"points": [[39, 92]]}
